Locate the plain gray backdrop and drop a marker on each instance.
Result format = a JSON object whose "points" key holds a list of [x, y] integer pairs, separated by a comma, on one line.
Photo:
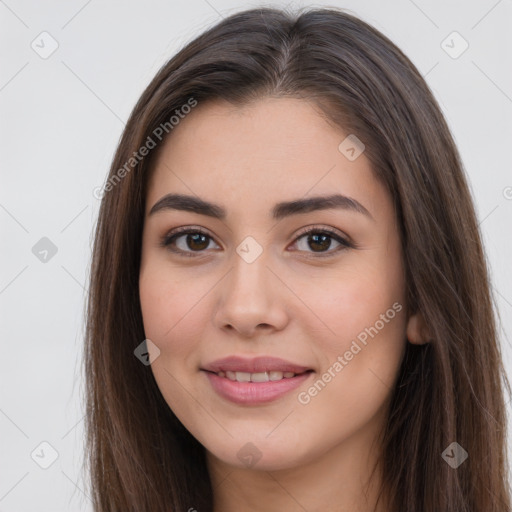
{"points": [[70, 74]]}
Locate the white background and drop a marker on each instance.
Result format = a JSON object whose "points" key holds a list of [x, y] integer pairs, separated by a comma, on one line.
{"points": [[61, 118]]}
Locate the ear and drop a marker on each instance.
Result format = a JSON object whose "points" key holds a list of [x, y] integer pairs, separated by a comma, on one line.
{"points": [[417, 331]]}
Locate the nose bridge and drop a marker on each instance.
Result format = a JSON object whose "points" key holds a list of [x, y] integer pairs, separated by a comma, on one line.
{"points": [[248, 295], [248, 277]]}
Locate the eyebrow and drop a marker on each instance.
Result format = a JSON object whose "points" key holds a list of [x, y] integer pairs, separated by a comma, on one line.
{"points": [[279, 211]]}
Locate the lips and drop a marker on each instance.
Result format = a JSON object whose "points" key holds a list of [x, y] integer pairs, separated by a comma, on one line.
{"points": [[256, 377], [255, 381], [255, 365]]}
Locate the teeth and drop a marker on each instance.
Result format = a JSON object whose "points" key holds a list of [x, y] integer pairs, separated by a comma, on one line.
{"points": [[259, 377], [256, 377], [243, 377]]}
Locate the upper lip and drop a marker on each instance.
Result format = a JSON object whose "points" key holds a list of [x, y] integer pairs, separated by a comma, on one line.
{"points": [[254, 365]]}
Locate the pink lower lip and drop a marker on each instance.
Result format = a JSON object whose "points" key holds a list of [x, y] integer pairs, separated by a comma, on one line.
{"points": [[248, 393]]}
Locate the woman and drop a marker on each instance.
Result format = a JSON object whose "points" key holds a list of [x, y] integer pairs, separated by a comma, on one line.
{"points": [[289, 302]]}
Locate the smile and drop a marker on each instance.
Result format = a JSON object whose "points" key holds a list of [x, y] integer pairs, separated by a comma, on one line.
{"points": [[257, 377], [243, 388]]}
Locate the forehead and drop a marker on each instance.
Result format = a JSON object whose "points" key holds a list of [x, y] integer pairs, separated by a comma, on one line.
{"points": [[261, 153]]}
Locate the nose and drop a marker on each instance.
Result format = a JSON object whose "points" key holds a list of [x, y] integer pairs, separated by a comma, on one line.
{"points": [[251, 299]]}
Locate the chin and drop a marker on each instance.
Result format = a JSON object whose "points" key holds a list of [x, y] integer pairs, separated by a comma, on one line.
{"points": [[263, 456]]}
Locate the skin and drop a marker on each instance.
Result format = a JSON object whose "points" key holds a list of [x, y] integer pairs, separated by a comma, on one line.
{"points": [[290, 302]]}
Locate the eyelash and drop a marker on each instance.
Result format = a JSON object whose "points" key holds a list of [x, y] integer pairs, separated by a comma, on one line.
{"points": [[170, 238]]}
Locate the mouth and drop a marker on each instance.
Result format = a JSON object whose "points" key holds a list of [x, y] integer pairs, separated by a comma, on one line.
{"points": [[266, 376], [253, 389], [237, 367], [257, 380]]}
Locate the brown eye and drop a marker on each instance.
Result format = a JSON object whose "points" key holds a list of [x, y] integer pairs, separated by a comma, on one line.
{"points": [[196, 241], [319, 241], [187, 241]]}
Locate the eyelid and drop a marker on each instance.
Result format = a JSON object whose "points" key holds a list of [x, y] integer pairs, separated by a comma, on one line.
{"points": [[184, 230], [324, 229], [344, 241], [340, 237]]}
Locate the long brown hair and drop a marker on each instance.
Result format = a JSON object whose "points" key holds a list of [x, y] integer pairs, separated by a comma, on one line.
{"points": [[451, 389]]}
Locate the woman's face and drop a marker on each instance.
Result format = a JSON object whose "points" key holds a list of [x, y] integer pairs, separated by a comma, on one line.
{"points": [[327, 307]]}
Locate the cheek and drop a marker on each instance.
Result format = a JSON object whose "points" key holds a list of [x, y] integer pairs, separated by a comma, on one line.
{"points": [[359, 369], [170, 310], [363, 341], [354, 302], [169, 301]]}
